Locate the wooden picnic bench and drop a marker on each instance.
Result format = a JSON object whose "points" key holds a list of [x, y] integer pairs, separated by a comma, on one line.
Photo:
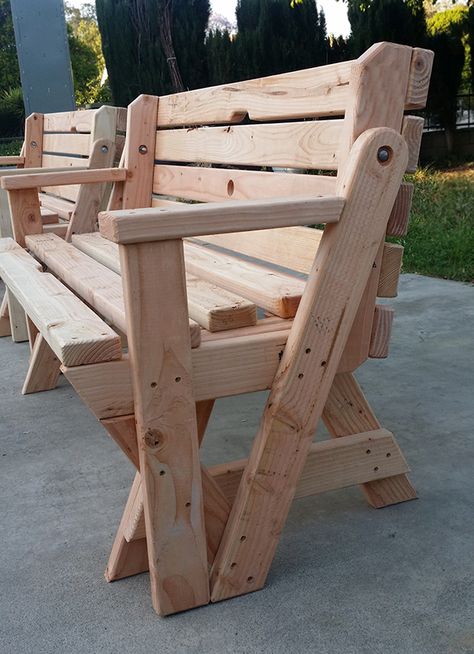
{"points": [[54, 142], [196, 228]]}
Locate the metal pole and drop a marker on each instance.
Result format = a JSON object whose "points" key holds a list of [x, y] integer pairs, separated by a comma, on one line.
{"points": [[43, 55]]}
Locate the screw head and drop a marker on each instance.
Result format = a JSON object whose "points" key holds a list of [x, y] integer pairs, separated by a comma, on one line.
{"points": [[383, 154], [33, 144], [142, 149], [104, 149]]}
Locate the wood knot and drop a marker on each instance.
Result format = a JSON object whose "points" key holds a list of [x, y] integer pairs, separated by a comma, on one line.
{"points": [[154, 438]]}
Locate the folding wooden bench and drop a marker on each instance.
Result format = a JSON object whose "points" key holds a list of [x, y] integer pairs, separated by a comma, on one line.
{"points": [[210, 534], [54, 142]]}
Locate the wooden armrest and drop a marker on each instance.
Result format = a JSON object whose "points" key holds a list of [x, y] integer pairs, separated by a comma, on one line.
{"points": [[72, 176], [12, 172], [161, 224], [12, 161]]}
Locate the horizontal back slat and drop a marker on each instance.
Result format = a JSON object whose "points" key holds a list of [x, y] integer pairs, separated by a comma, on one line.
{"points": [[78, 144], [70, 121], [301, 94], [218, 184], [312, 144], [59, 161]]}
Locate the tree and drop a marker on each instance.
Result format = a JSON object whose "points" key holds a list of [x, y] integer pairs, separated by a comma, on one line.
{"points": [[275, 37], [146, 54], [11, 98], [85, 48], [399, 21]]}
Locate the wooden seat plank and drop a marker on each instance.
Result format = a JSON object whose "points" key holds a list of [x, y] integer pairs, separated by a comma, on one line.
{"points": [[73, 331], [274, 291], [62, 207], [209, 306]]}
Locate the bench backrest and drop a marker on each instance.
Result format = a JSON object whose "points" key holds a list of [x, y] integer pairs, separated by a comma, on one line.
{"points": [[203, 127], [65, 139], [211, 145]]}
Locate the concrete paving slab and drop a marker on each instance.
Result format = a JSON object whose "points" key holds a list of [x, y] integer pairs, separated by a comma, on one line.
{"points": [[347, 579]]}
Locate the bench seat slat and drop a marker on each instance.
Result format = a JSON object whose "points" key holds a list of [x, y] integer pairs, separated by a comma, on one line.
{"points": [[73, 331], [212, 307], [277, 292], [274, 291], [63, 208]]}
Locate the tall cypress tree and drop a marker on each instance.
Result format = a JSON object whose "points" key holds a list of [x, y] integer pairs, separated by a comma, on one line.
{"points": [[133, 49], [274, 37]]}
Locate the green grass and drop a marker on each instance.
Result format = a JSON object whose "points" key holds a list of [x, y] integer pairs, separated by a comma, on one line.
{"points": [[10, 148], [440, 240]]}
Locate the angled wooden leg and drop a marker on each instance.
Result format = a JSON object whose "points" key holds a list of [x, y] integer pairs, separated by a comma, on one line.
{"points": [[43, 371], [18, 327], [32, 332], [132, 526], [348, 412], [308, 365], [127, 558], [5, 329]]}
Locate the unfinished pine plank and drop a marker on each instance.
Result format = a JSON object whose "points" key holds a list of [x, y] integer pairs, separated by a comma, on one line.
{"points": [[215, 308], [217, 218], [33, 143], [307, 93], [70, 121], [390, 270], [221, 368], [90, 197], [78, 144], [18, 326], [419, 80], [412, 131], [166, 424], [274, 291], [49, 179], [330, 465], [122, 430], [6, 229], [312, 144], [206, 184], [381, 331], [43, 372], [398, 221], [26, 214], [14, 160], [138, 154], [380, 74], [100, 287], [63, 161], [98, 248], [290, 247], [74, 332], [348, 412], [48, 216], [32, 332], [127, 558], [5, 329], [62, 207], [314, 347], [60, 229], [216, 507]]}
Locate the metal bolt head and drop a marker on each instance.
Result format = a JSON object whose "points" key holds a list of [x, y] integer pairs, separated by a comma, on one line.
{"points": [[383, 154], [104, 149], [142, 149], [33, 144]]}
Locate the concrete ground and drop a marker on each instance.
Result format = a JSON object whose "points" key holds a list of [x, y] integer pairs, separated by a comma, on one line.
{"points": [[347, 579]]}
